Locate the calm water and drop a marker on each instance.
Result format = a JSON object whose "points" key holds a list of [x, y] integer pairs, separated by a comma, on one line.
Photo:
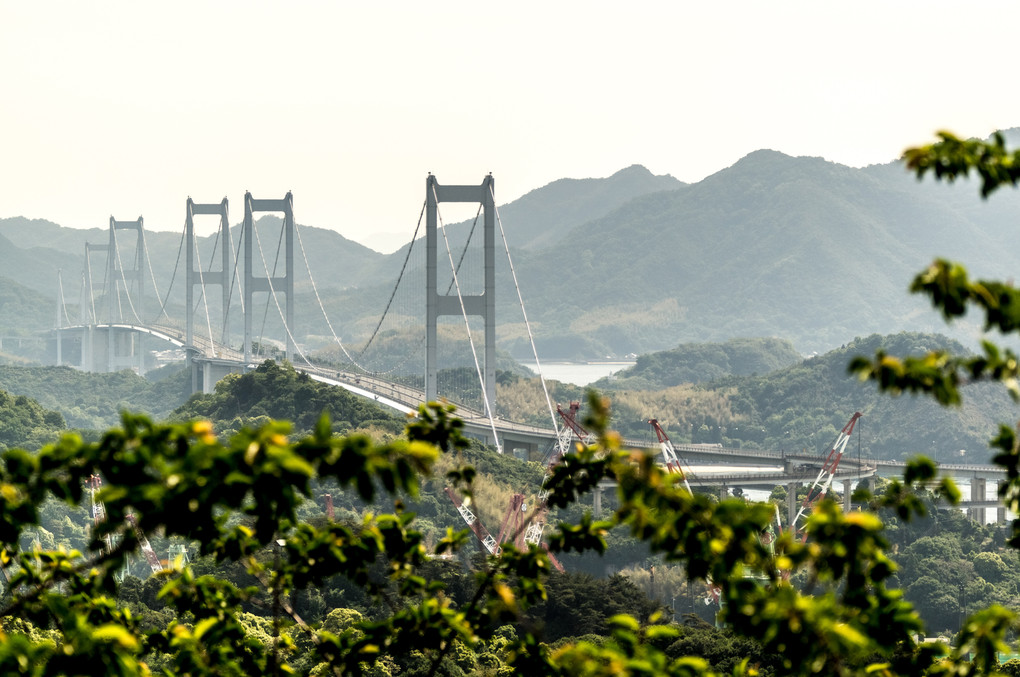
{"points": [[579, 374]]}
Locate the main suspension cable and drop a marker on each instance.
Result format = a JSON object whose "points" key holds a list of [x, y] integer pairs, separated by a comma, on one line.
{"points": [[148, 264], [315, 289], [106, 277], [386, 310], [276, 263], [92, 292], [162, 308], [63, 300], [235, 276], [204, 300]]}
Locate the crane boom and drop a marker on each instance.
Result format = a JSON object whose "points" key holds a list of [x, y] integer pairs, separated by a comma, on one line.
{"points": [[486, 539], [669, 455], [571, 428], [828, 471]]}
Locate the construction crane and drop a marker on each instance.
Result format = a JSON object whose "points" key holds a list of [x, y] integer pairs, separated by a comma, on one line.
{"points": [[511, 529], [669, 455], [565, 436], [825, 475], [514, 522], [95, 483]]}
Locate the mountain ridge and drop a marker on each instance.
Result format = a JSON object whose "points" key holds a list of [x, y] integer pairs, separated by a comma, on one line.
{"points": [[772, 246]]}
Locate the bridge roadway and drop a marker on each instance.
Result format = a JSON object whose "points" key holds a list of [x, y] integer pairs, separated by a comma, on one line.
{"points": [[757, 467]]}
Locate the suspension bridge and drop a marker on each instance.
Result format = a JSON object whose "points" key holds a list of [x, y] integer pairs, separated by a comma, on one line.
{"points": [[250, 277], [419, 348]]}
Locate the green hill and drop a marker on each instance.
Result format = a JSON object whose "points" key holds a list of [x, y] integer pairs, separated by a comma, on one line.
{"points": [[801, 407], [700, 362], [23, 309], [273, 391], [90, 401]]}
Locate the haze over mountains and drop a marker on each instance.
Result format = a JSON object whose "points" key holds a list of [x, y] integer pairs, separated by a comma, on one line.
{"points": [[795, 248]]}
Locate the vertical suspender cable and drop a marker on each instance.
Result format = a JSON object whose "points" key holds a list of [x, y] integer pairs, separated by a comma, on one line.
{"points": [[162, 309], [467, 325], [205, 298], [531, 337], [148, 264], [272, 292]]}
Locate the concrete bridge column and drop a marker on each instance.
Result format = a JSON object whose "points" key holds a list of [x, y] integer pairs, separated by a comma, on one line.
{"points": [[978, 488], [791, 502], [1000, 513], [596, 501], [848, 489], [724, 492]]}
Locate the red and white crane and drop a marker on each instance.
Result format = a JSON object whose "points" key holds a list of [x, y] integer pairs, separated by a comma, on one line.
{"points": [[669, 455], [95, 483], [511, 529], [513, 526], [565, 437], [825, 476]]}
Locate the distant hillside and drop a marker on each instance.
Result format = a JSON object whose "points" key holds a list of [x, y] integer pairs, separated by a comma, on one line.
{"points": [[546, 216], [94, 401], [700, 362], [23, 309], [33, 250], [803, 406], [798, 248]]}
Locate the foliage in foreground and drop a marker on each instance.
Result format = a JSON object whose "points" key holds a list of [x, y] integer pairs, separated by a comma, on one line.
{"points": [[238, 501]]}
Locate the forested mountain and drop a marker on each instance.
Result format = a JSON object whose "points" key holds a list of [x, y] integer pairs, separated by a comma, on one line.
{"points": [[23, 309], [25, 424], [547, 217], [794, 248]]}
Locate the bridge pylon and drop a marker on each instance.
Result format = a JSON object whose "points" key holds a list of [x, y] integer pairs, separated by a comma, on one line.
{"points": [[436, 304], [196, 276], [88, 312], [271, 283], [125, 349]]}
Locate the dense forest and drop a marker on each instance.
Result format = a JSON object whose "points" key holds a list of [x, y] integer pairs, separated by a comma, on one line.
{"points": [[946, 541]]}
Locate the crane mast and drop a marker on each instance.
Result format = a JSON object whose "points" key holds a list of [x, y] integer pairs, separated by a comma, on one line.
{"points": [[486, 539]]}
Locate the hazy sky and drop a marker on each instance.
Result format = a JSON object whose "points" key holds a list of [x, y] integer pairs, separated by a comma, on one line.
{"points": [[127, 108]]}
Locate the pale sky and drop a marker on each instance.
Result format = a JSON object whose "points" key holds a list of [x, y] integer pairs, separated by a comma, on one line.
{"points": [[127, 108]]}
